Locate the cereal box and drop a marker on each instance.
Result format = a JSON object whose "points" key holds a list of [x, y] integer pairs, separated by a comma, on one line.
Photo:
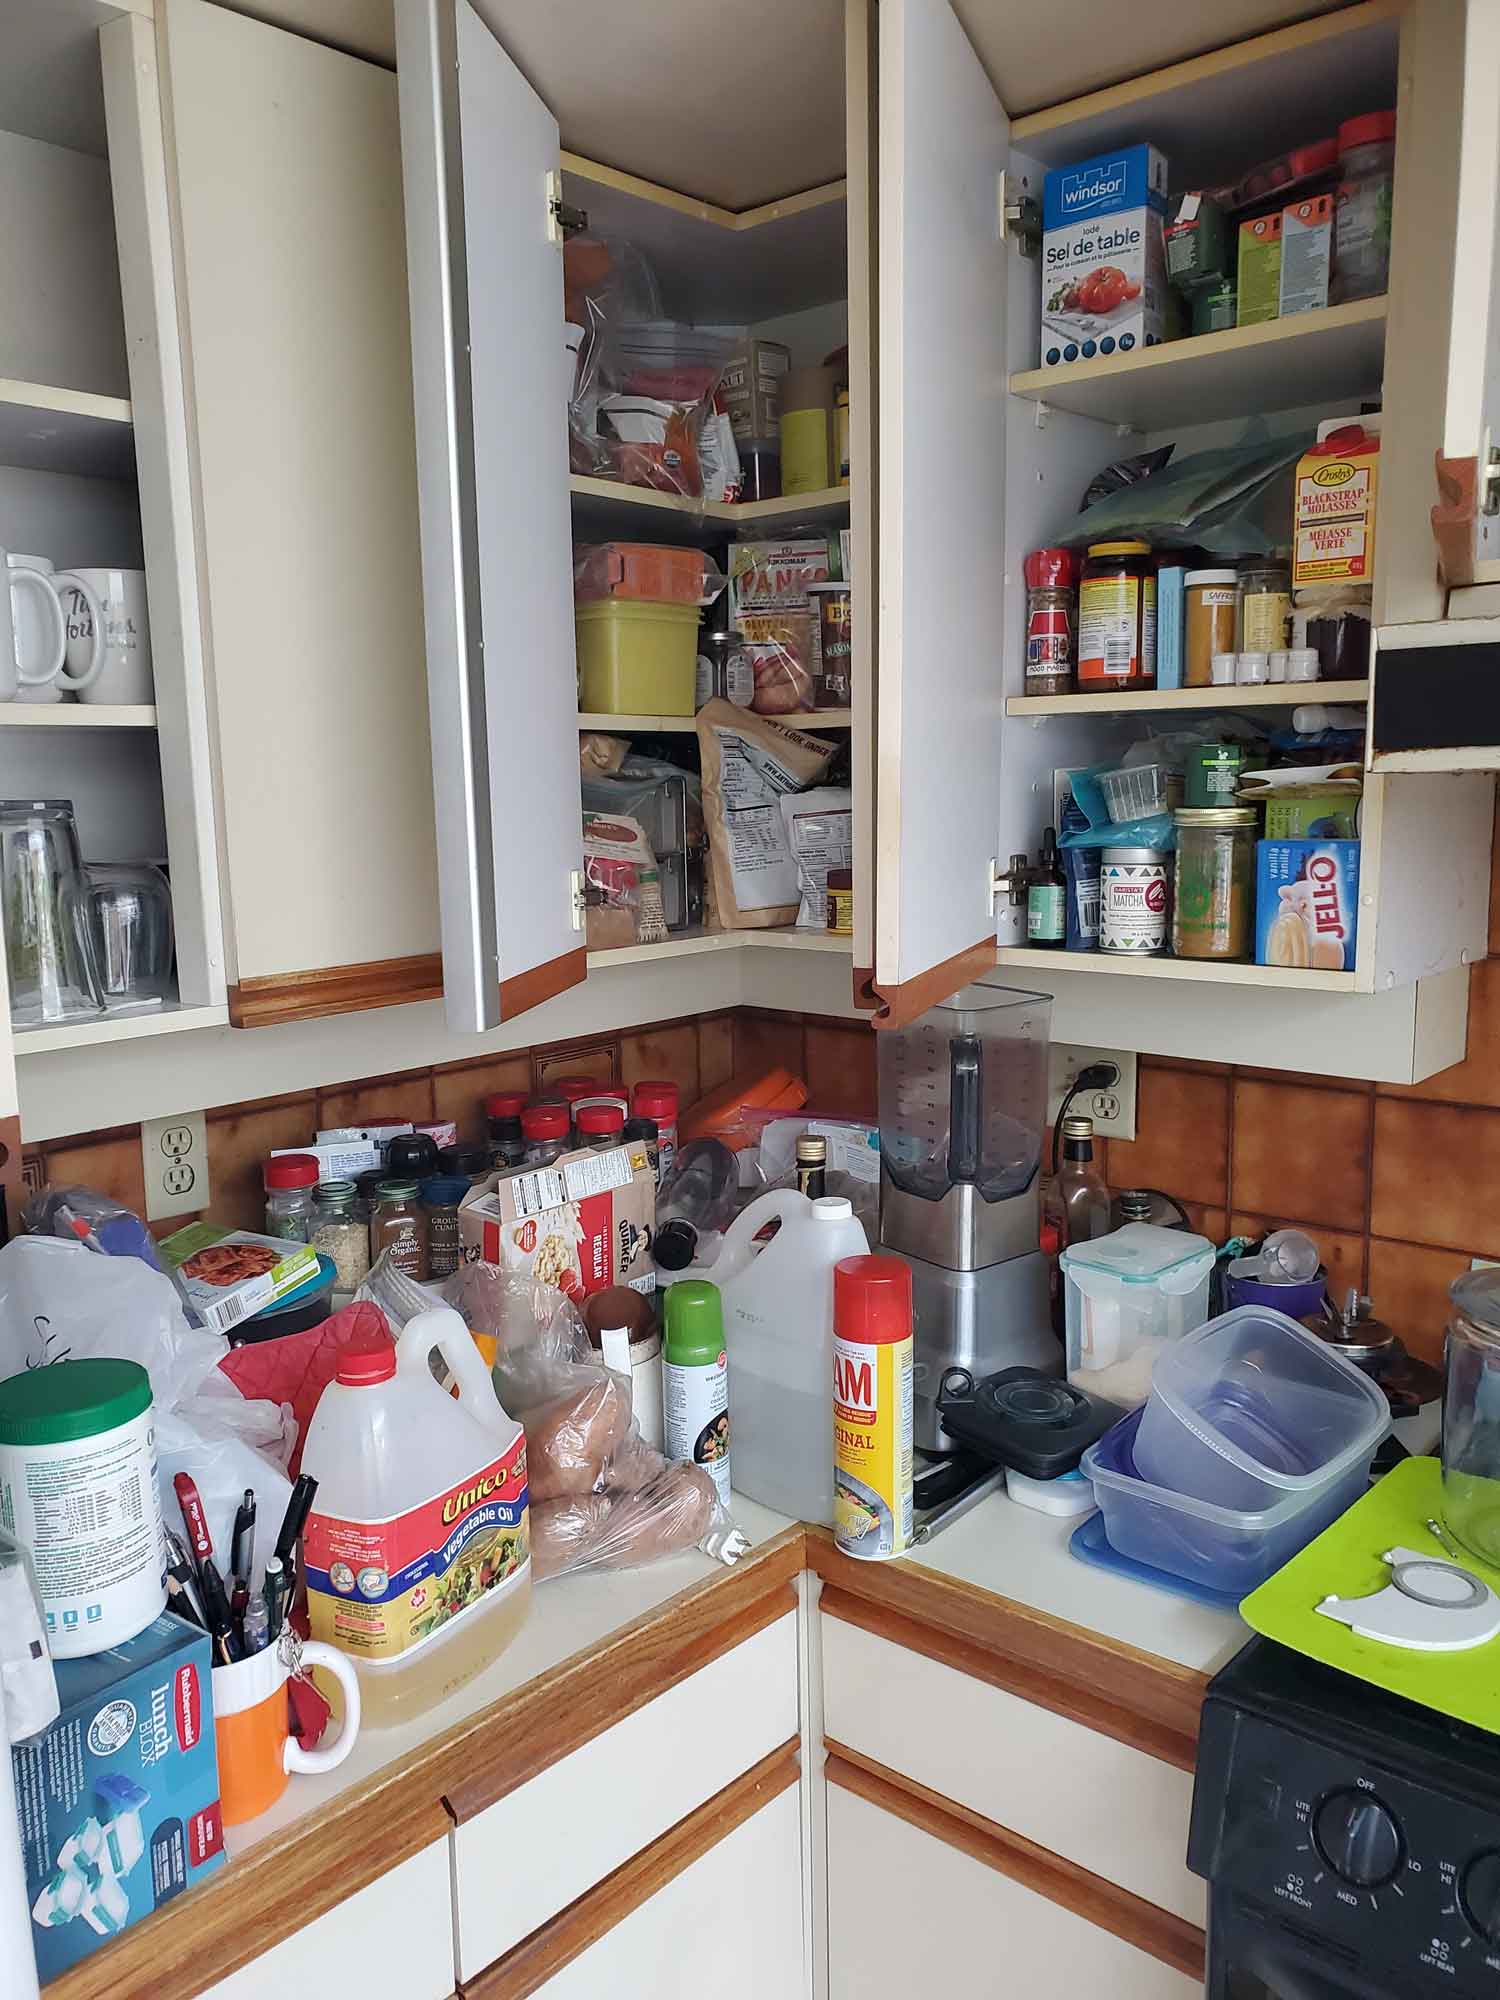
{"points": [[225, 1275], [582, 1224], [1307, 903], [118, 1799], [1103, 261], [1333, 521]]}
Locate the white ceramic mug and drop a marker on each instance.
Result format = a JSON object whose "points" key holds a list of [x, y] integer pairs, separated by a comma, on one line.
{"points": [[34, 634], [124, 676]]}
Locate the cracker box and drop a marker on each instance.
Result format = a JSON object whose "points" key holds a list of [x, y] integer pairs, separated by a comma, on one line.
{"points": [[1103, 262], [1333, 514], [1258, 283], [751, 388], [1307, 903], [118, 1799], [225, 1275], [582, 1224]]}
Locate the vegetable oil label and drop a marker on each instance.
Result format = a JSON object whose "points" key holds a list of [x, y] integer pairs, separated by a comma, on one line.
{"points": [[872, 1447], [695, 1411], [380, 1589]]}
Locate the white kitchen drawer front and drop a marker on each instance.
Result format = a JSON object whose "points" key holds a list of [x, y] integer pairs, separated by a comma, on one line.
{"points": [[390, 1941], [1116, 1811], [905, 1908], [531, 1854], [738, 1907]]}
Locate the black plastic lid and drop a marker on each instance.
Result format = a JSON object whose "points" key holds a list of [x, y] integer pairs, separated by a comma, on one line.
{"points": [[1023, 1419], [470, 1161], [675, 1245], [412, 1156], [642, 1128]]}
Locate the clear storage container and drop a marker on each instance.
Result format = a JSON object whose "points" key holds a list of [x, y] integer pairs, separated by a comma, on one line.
{"points": [[1223, 1548], [1252, 1409], [1128, 1294], [1135, 791]]}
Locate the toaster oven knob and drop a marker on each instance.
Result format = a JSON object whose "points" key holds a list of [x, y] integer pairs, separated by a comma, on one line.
{"points": [[1358, 1837], [1479, 1893]]}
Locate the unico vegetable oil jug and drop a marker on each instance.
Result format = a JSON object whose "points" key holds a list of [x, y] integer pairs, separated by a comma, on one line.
{"points": [[872, 1406], [416, 1550]]}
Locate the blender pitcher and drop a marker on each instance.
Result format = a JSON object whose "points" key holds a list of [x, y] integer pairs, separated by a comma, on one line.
{"points": [[51, 963]]}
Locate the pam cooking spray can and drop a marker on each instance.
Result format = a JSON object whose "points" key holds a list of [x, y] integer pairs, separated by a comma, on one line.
{"points": [[695, 1380], [872, 1406]]}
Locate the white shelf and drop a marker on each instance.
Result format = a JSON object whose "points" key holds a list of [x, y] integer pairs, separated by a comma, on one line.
{"points": [[688, 944], [686, 725], [603, 507], [65, 430], [1290, 694], [74, 715], [1332, 356], [170, 1019], [1107, 965]]}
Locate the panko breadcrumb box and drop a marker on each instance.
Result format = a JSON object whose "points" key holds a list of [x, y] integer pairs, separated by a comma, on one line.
{"points": [[582, 1224]]}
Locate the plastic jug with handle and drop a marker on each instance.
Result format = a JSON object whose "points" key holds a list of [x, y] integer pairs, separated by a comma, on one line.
{"points": [[778, 1329], [416, 1551]]}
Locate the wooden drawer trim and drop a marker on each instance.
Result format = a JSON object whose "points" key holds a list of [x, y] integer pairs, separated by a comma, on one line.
{"points": [[558, 1942], [1168, 1937], [269, 1000], [542, 982], [1151, 1703]]}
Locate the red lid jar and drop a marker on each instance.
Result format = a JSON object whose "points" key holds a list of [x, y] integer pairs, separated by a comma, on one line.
{"points": [[545, 1121], [596, 1120], [655, 1100], [505, 1104], [291, 1170]]}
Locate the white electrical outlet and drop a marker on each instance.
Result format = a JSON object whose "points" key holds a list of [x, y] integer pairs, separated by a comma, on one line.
{"points": [[174, 1154], [1112, 1109]]}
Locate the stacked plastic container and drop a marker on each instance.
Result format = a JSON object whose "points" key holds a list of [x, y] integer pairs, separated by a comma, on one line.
{"points": [[636, 607]]}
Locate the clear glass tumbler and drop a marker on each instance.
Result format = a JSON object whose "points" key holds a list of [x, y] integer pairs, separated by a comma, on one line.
{"points": [[53, 969]]}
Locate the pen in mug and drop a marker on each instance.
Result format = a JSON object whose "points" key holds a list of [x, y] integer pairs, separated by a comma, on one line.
{"points": [[275, 1596], [242, 1545]]}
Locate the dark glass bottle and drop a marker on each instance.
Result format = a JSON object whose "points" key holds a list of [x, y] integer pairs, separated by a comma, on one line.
{"points": [[1082, 1196], [1047, 899]]}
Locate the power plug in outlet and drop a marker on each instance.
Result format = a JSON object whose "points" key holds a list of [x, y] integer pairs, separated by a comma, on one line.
{"points": [[174, 1155], [1113, 1108]]}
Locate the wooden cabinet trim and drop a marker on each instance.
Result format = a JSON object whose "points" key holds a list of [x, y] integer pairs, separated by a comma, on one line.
{"points": [[1151, 1703], [900, 1005], [1168, 1937], [543, 982], [273, 998], [558, 1942]]}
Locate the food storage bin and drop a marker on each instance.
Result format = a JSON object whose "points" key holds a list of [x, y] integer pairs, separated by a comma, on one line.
{"points": [[1128, 1294], [644, 570], [1135, 791], [637, 658], [1222, 1547], [1252, 1408]]}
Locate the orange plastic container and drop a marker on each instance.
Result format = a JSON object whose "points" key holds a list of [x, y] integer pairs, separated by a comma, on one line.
{"points": [[643, 570], [718, 1116]]}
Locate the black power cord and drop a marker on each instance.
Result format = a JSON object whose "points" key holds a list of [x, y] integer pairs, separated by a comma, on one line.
{"points": [[1093, 1076]]}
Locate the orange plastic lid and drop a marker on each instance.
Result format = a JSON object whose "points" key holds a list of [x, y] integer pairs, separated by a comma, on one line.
{"points": [[717, 1115]]}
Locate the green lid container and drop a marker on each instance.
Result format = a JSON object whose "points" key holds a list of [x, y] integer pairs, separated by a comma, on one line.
{"points": [[71, 1399], [694, 1324]]}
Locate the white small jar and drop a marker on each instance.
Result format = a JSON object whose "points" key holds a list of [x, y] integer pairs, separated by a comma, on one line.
{"points": [[1252, 669], [1221, 669]]}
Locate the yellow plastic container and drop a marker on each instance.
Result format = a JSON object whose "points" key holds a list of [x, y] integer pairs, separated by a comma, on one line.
{"points": [[637, 658]]}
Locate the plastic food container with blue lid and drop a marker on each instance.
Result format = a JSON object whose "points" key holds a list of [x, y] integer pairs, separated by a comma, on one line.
{"points": [[1251, 1409], [1128, 1295]]}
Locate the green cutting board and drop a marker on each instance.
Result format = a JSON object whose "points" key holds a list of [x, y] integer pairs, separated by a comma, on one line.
{"points": [[1345, 1562]]}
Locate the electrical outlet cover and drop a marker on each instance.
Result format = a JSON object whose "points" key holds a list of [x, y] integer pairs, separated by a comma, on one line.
{"points": [[1112, 1110], [174, 1157]]}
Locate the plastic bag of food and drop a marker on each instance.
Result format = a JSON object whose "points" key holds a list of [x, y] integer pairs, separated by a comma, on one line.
{"points": [[820, 832], [622, 887], [780, 651], [644, 570], [749, 763], [85, 1215]]}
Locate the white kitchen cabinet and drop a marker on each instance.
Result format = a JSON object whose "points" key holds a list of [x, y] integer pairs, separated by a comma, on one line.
{"points": [[905, 1907]]}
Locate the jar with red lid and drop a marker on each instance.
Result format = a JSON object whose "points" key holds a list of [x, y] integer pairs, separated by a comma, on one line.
{"points": [[502, 1114], [659, 1100], [289, 1180], [600, 1126], [569, 1089], [1362, 207], [1051, 621], [545, 1128]]}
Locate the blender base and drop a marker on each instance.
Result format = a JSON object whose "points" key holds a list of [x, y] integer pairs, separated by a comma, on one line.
{"points": [[980, 1320]]}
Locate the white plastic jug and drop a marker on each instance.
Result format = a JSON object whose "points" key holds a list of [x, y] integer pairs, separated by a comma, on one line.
{"points": [[416, 1550], [778, 1329]]}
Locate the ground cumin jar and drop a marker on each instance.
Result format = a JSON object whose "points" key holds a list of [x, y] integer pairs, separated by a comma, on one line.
{"points": [[1209, 602], [1117, 617]]}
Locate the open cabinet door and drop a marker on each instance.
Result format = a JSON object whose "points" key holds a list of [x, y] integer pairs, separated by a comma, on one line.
{"points": [[484, 267], [941, 287]]}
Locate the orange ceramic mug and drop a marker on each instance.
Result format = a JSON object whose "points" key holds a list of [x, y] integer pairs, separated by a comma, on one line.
{"points": [[257, 1751]]}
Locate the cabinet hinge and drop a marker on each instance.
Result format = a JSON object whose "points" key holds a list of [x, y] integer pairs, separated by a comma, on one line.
{"points": [[1013, 883], [575, 898], [563, 220], [1020, 215]]}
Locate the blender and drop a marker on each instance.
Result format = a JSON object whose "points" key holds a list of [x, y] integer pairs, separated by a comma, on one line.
{"points": [[963, 1105]]}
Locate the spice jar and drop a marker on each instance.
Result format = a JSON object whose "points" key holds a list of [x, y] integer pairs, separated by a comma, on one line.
{"points": [[399, 1224], [502, 1113], [1362, 208], [1214, 901], [465, 1162], [1471, 1391], [440, 1200], [841, 902], [339, 1232], [645, 1132], [1209, 601], [545, 1127], [289, 1182], [658, 1098], [1051, 620], [1265, 608], [600, 1126], [568, 1090], [1133, 900], [1117, 617]]}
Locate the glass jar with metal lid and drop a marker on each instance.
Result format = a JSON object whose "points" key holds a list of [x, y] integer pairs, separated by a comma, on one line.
{"points": [[1213, 911], [1471, 1413], [1265, 607], [339, 1231], [398, 1223], [1117, 617]]}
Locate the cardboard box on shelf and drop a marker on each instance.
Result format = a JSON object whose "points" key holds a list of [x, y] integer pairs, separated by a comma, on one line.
{"points": [[582, 1224], [1333, 519], [751, 387], [1103, 260], [1259, 281], [225, 1275], [1306, 253], [1307, 903]]}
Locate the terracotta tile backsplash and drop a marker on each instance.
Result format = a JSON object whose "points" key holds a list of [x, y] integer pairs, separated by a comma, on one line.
{"points": [[239, 1140], [1182, 1136], [1303, 1151]]}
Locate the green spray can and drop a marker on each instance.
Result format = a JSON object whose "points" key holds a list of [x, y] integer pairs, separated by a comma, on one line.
{"points": [[695, 1380]]}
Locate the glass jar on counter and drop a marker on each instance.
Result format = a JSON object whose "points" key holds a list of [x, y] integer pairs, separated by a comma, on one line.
{"points": [[1362, 208], [502, 1117], [1117, 617], [1213, 908], [468, 1163], [399, 1224], [440, 1201], [569, 1091], [411, 1156], [1265, 608], [1471, 1413], [545, 1128], [600, 1126], [340, 1232], [659, 1098], [289, 1180]]}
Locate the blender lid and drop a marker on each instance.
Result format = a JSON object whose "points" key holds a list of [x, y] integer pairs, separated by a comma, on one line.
{"points": [[1024, 1419], [1477, 1296], [1140, 1253]]}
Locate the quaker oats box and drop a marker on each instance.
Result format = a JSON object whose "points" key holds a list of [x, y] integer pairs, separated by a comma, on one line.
{"points": [[1104, 276], [1307, 904], [582, 1224]]}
